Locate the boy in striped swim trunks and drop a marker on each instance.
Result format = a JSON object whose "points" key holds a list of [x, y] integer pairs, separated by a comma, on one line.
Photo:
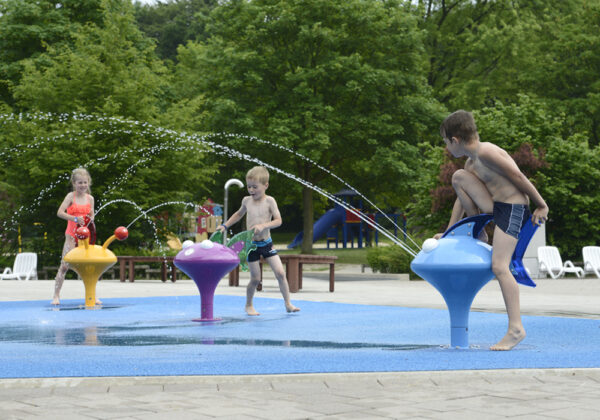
{"points": [[262, 216], [491, 182]]}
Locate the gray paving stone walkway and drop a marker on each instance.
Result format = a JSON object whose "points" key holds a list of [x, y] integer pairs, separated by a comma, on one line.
{"points": [[515, 394], [474, 394]]}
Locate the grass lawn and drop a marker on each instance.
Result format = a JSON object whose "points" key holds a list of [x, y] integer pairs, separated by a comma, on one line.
{"points": [[345, 256]]}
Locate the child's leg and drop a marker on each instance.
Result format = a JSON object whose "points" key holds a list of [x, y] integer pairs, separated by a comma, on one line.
{"points": [[277, 267], [503, 248], [473, 195], [251, 288], [62, 270]]}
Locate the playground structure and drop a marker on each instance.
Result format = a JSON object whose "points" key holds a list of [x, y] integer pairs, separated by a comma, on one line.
{"points": [[203, 221], [196, 226], [345, 237], [459, 265], [207, 262], [351, 226], [91, 261]]}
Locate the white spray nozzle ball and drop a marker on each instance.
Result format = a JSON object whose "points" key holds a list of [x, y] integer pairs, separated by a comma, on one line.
{"points": [[207, 244], [429, 244], [187, 244]]}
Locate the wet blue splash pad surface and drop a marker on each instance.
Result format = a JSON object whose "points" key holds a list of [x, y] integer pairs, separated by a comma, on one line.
{"points": [[155, 336]]}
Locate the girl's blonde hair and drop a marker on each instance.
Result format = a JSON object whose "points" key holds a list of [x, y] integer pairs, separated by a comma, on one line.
{"points": [[258, 173], [82, 172]]}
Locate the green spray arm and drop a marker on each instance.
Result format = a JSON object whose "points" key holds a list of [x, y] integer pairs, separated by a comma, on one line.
{"points": [[241, 243]]}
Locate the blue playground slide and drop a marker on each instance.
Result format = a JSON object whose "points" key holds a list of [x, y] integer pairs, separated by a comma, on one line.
{"points": [[332, 217]]}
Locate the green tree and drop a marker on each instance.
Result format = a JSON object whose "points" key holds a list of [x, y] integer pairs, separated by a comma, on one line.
{"points": [[570, 188], [107, 69], [477, 48], [127, 160], [341, 82], [28, 26], [565, 62], [484, 51], [562, 166], [173, 23], [110, 69]]}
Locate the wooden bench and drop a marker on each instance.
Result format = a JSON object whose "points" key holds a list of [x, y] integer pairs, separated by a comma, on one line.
{"points": [[293, 270], [131, 260]]}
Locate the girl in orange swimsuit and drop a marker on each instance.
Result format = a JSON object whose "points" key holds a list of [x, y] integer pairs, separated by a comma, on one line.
{"points": [[74, 208]]}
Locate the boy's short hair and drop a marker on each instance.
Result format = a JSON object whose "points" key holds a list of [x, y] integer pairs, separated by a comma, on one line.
{"points": [[460, 124], [259, 173]]}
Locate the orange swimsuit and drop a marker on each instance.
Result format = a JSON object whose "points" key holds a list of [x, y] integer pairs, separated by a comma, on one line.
{"points": [[79, 211]]}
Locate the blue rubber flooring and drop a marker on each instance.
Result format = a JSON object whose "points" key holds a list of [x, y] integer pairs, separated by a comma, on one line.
{"points": [[155, 336]]}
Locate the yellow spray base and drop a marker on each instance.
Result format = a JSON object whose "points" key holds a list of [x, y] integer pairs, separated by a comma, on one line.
{"points": [[90, 262]]}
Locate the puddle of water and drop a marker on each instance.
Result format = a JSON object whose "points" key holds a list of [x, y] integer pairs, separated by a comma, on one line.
{"points": [[81, 307], [160, 335]]}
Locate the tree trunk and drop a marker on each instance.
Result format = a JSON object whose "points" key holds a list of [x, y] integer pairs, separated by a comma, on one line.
{"points": [[307, 216]]}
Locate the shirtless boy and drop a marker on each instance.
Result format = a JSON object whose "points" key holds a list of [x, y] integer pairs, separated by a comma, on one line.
{"points": [[262, 216], [491, 182]]}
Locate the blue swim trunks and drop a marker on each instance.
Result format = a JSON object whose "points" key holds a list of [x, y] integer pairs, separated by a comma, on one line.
{"points": [[263, 249], [511, 217]]}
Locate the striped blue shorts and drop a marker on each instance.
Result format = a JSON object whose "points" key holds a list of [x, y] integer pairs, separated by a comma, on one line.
{"points": [[511, 217], [263, 249]]}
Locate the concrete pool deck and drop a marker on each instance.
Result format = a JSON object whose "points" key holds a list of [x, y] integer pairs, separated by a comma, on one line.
{"points": [[515, 393]]}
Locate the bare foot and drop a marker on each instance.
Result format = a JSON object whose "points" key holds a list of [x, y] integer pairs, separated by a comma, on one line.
{"points": [[511, 339], [56, 301], [251, 311], [98, 302], [291, 308]]}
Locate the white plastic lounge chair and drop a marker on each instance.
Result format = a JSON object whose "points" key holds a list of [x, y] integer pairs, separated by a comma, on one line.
{"points": [[25, 267], [550, 262], [591, 260]]}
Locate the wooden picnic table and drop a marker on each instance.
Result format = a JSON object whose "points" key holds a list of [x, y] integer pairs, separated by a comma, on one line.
{"points": [[130, 260], [293, 270]]}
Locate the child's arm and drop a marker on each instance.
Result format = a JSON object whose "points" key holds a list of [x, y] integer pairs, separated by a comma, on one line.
{"points": [[235, 217], [62, 210], [502, 163], [92, 212]]}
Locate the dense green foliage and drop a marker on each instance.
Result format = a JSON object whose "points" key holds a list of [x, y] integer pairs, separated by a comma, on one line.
{"points": [[389, 259], [355, 87], [322, 78], [126, 160], [174, 23], [28, 27], [109, 69]]}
